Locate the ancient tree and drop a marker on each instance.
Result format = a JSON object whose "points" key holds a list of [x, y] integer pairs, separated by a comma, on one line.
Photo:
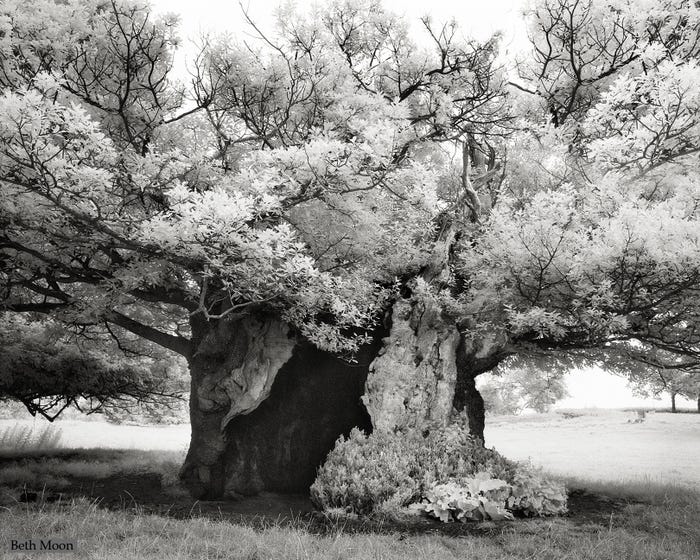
{"points": [[338, 226]]}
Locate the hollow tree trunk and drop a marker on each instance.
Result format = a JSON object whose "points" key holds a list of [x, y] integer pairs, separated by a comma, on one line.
{"points": [[476, 355], [233, 366], [469, 399], [266, 408]]}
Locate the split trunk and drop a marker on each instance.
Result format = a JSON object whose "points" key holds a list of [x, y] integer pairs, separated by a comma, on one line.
{"points": [[266, 407]]}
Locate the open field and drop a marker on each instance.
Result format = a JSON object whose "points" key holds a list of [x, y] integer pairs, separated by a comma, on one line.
{"points": [[103, 435], [635, 497], [588, 443], [604, 444]]}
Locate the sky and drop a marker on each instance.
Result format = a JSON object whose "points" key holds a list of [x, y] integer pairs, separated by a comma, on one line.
{"points": [[478, 19], [594, 388]]}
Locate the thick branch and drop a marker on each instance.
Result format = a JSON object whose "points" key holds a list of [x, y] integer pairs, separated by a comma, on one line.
{"points": [[471, 198], [178, 344]]}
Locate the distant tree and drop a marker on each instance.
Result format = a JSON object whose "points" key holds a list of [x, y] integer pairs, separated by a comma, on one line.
{"points": [[500, 397], [654, 381], [512, 390], [652, 372], [47, 367]]}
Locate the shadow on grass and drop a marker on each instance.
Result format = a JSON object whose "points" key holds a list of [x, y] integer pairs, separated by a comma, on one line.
{"points": [[146, 482]]}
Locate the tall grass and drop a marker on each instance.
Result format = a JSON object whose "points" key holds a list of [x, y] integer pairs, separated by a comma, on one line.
{"points": [[25, 438], [53, 469]]}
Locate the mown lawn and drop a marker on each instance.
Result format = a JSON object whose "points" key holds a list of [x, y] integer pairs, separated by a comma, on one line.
{"points": [[604, 444]]}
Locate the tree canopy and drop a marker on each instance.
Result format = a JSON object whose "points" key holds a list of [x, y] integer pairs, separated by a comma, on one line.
{"points": [[322, 170]]}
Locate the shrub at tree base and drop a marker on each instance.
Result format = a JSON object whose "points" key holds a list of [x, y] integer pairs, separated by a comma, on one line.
{"points": [[471, 499], [443, 472]]}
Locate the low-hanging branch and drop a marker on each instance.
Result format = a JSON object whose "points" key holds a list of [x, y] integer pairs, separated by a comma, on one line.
{"points": [[178, 344]]}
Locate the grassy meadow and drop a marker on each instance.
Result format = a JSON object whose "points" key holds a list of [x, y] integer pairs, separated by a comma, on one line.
{"points": [[636, 486], [603, 444]]}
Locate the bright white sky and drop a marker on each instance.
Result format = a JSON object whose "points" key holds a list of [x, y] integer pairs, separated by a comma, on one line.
{"points": [[478, 19], [594, 388]]}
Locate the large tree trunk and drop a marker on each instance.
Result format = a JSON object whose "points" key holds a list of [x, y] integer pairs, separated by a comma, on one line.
{"points": [[412, 381], [233, 366], [266, 408], [426, 372]]}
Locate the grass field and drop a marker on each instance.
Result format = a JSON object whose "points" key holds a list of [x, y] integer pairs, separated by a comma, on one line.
{"points": [[647, 472], [604, 444]]}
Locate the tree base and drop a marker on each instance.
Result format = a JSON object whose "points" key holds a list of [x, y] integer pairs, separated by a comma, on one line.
{"points": [[279, 446]]}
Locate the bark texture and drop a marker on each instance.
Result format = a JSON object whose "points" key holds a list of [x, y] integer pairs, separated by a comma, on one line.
{"points": [[233, 368], [413, 379], [426, 370], [266, 408]]}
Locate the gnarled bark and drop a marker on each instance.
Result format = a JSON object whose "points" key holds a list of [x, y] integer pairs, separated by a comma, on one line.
{"points": [[233, 367], [413, 379], [266, 407], [427, 369]]}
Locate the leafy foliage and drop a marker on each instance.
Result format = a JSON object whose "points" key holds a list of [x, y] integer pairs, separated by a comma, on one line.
{"points": [[444, 471], [532, 494], [511, 390], [599, 243], [48, 368], [473, 499], [363, 472], [313, 178], [128, 201], [483, 497]]}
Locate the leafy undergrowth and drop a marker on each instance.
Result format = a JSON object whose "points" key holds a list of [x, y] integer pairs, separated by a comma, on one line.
{"points": [[443, 472], [667, 528]]}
